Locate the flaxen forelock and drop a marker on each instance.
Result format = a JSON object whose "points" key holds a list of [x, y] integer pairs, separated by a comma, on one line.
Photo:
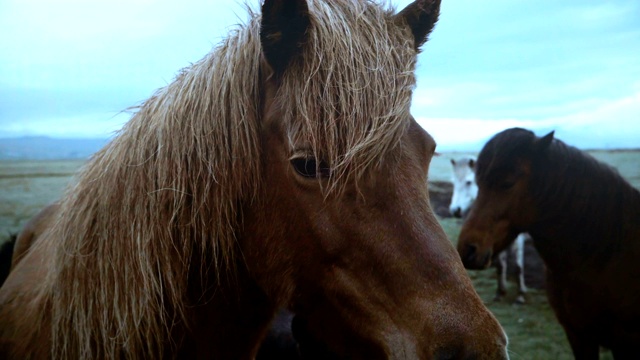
{"points": [[348, 98]]}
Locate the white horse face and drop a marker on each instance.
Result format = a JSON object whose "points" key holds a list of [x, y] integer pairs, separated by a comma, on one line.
{"points": [[465, 188]]}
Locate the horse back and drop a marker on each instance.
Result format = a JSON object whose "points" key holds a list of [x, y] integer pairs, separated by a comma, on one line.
{"points": [[600, 297]]}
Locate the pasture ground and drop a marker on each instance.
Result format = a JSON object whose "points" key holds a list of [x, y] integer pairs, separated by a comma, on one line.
{"points": [[27, 186]]}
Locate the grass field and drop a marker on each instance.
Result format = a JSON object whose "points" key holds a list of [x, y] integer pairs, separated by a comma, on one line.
{"points": [[27, 186]]}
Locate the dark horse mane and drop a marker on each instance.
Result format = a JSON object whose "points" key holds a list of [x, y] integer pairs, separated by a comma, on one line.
{"points": [[576, 194]]}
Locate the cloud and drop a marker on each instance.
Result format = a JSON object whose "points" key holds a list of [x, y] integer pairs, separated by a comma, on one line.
{"points": [[76, 43], [568, 66], [86, 61], [487, 65], [533, 59], [98, 125], [613, 124]]}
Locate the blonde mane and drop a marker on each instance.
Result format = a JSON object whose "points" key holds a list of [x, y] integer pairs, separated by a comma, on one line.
{"points": [[169, 188]]}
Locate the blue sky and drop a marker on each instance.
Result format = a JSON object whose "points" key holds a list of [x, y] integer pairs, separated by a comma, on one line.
{"points": [[70, 67]]}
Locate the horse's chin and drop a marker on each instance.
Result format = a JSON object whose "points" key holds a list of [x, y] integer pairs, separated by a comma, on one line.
{"points": [[476, 265]]}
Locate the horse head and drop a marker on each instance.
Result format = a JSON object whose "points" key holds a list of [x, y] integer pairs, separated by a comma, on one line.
{"points": [[505, 205], [465, 189], [343, 218]]}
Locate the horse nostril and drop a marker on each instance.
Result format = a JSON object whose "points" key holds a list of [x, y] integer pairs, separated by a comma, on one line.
{"points": [[474, 259], [457, 212], [470, 251]]}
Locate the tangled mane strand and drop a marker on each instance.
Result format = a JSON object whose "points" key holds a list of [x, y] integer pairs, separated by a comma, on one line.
{"points": [[163, 193], [348, 99]]}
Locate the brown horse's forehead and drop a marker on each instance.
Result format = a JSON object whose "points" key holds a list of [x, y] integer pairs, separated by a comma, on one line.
{"points": [[493, 169]]}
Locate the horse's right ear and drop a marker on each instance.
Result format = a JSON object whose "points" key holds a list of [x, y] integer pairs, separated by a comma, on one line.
{"points": [[544, 142], [453, 162], [421, 16], [282, 31]]}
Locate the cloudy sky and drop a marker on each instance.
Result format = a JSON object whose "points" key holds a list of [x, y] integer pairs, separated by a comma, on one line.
{"points": [[70, 67]]}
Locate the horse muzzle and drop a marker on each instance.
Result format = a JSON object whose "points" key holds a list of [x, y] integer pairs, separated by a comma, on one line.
{"points": [[473, 258], [456, 212]]}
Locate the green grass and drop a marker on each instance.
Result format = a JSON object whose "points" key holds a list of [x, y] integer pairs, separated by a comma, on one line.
{"points": [[626, 161], [28, 186]]}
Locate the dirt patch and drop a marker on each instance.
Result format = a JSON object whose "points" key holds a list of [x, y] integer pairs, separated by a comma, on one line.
{"points": [[440, 193], [534, 270]]}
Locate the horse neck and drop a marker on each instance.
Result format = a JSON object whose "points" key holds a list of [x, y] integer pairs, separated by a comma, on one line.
{"points": [[586, 210]]}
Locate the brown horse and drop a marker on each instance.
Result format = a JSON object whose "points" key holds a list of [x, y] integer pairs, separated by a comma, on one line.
{"points": [[585, 222], [282, 170], [279, 343]]}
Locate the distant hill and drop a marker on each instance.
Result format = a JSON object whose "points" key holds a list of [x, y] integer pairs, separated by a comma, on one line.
{"points": [[44, 148]]}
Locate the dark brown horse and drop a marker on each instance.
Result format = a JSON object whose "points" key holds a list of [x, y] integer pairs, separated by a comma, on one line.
{"points": [[282, 170], [585, 222]]}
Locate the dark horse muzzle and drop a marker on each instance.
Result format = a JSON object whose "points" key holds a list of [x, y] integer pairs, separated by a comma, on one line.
{"points": [[474, 259]]}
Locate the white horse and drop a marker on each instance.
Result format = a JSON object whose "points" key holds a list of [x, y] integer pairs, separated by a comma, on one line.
{"points": [[465, 191]]}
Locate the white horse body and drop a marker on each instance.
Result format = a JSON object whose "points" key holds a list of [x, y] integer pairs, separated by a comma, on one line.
{"points": [[465, 191]]}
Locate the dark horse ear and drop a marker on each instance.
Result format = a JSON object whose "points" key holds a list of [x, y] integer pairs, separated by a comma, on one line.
{"points": [[421, 16], [544, 142], [282, 31]]}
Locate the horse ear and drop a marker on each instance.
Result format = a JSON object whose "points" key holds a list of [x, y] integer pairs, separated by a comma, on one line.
{"points": [[282, 31], [421, 16], [472, 163], [544, 142], [453, 162]]}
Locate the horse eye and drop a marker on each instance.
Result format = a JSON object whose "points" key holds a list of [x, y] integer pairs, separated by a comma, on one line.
{"points": [[469, 183], [308, 167]]}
